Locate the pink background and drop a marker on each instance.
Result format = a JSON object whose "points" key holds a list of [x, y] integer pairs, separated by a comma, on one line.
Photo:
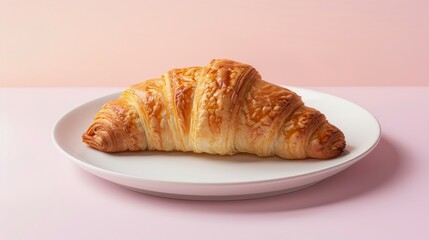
{"points": [[303, 43]]}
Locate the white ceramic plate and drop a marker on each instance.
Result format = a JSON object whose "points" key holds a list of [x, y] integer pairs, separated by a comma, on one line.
{"points": [[214, 177]]}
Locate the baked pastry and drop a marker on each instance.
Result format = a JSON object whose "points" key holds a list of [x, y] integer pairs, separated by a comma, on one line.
{"points": [[222, 108]]}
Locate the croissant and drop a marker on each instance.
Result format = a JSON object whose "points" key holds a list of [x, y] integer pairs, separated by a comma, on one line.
{"points": [[222, 108]]}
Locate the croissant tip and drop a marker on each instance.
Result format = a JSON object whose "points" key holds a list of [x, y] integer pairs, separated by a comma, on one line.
{"points": [[93, 139], [91, 142], [331, 145]]}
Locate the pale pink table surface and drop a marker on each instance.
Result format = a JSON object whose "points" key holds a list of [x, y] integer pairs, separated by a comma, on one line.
{"points": [[43, 195]]}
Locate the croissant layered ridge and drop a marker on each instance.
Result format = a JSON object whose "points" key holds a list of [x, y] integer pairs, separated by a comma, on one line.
{"points": [[222, 108]]}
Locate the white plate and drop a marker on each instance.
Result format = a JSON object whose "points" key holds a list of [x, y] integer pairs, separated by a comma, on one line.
{"points": [[214, 177]]}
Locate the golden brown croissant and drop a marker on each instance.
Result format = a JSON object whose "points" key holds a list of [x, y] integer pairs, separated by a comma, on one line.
{"points": [[222, 108]]}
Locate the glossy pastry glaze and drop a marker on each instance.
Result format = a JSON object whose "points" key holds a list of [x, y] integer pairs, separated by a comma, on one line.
{"points": [[222, 108]]}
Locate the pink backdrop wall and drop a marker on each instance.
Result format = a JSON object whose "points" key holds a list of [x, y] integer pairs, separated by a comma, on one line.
{"points": [[303, 43]]}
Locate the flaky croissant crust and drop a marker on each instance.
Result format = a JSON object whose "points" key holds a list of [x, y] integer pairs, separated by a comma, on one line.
{"points": [[222, 108]]}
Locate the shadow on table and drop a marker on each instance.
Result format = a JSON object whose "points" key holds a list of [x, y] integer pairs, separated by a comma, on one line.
{"points": [[367, 175]]}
